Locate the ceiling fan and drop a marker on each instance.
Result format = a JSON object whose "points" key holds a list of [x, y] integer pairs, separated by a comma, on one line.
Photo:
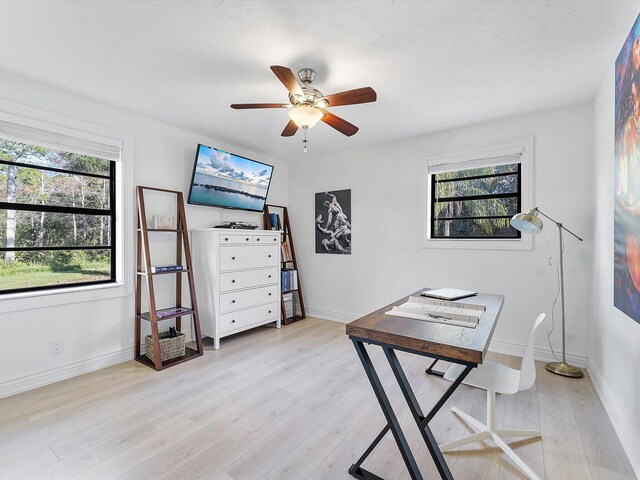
{"points": [[308, 105]]}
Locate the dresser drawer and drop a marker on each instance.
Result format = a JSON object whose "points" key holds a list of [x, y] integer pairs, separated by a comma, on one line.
{"points": [[243, 318], [266, 239], [247, 298], [234, 239], [238, 258], [248, 278]]}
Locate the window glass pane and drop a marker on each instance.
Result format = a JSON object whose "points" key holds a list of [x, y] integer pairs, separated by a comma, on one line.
{"points": [[49, 268], [477, 208], [478, 186], [40, 187], [33, 155], [473, 172], [496, 227], [46, 229]]}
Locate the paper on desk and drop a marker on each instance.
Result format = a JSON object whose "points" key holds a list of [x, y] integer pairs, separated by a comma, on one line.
{"points": [[440, 311]]}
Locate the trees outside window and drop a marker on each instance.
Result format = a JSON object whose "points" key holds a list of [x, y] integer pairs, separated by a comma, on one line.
{"points": [[476, 203], [57, 218]]}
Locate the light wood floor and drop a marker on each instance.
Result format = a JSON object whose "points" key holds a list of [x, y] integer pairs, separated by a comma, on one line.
{"points": [[285, 404]]}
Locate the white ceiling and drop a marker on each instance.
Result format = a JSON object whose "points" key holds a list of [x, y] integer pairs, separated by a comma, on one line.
{"points": [[435, 65]]}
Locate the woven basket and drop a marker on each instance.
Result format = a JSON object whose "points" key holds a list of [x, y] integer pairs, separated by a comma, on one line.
{"points": [[169, 347]]}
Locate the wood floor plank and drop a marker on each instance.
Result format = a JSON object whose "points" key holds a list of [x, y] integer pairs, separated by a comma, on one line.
{"points": [[28, 465], [106, 448], [210, 464], [564, 456]]}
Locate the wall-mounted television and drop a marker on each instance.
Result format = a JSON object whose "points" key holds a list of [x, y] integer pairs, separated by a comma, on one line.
{"points": [[225, 180]]}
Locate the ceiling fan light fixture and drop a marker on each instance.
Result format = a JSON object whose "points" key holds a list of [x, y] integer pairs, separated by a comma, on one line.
{"points": [[305, 116]]}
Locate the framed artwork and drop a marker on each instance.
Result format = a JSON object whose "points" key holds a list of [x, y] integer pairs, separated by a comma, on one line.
{"points": [[333, 222], [626, 250]]}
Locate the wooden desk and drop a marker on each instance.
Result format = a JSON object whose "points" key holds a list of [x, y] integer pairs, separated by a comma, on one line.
{"points": [[466, 346]]}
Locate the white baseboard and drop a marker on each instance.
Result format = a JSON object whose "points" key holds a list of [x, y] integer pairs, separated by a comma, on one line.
{"points": [[46, 377], [331, 315], [619, 419], [507, 347]]}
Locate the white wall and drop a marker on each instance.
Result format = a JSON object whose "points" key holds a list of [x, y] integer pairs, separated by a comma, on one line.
{"points": [[96, 334], [387, 261], [615, 354]]}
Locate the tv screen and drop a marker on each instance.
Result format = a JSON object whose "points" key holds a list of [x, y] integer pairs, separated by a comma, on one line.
{"points": [[222, 179]]}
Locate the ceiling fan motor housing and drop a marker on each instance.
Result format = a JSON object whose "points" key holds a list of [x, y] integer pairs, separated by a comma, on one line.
{"points": [[306, 75]]}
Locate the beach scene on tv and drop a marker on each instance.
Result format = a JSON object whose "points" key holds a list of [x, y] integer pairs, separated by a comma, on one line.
{"points": [[227, 180]]}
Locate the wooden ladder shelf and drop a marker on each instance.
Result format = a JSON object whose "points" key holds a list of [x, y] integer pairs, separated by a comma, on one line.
{"points": [[145, 275], [293, 263]]}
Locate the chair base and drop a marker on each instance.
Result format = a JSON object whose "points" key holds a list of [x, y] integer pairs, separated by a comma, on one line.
{"points": [[484, 432]]}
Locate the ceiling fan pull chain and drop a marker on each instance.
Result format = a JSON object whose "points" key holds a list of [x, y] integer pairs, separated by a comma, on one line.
{"points": [[304, 142]]}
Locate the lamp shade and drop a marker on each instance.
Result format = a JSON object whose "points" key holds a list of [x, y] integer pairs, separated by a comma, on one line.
{"points": [[527, 222], [305, 116]]}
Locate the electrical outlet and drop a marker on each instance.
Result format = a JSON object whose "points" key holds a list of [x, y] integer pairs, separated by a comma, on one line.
{"points": [[56, 346]]}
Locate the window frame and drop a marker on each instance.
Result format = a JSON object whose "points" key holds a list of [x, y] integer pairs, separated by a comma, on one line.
{"points": [[518, 196], [111, 213], [125, 233], [465, 158]]}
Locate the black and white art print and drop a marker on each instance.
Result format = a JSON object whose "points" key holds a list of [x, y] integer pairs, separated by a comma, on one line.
{"points": [[333, 222]]}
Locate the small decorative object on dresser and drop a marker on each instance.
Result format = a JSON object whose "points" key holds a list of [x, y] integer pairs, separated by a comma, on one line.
{"points": [[238, 280]]}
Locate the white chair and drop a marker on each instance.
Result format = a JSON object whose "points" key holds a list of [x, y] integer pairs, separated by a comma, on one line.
{"points": [[497, 378]]}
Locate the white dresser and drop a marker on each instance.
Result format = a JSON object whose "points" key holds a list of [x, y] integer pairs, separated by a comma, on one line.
{"points": [[237, 277]]}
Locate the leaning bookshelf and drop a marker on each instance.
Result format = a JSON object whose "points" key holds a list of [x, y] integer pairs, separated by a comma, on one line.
{"points": [[159, 343], [276, 217]]}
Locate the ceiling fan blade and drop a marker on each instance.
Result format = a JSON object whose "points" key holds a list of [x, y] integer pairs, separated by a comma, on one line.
{"points": [[242, 106], [352, 97], [339, 124], [287, 78], [290, 130]]}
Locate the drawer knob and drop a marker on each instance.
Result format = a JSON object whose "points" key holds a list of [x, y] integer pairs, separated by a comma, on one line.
{"points": [[233, 281], [269, 256], [233, 258], [269, 293], [275, 239], [233, 301], [233, 321], [247, 239], [226, 239], [269, 311], [257, 240], [269, 276]]}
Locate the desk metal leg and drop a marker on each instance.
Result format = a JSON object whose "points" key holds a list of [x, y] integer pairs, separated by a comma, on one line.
{"points": [[431, 371], [392, 423], [416, 411]]}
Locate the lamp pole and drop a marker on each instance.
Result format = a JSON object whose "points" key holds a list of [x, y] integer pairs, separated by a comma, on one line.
{"points": [[562, 368]]}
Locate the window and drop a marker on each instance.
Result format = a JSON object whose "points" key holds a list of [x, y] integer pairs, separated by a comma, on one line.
{"points": [[57, 210], [476, 202], [469, 196]]}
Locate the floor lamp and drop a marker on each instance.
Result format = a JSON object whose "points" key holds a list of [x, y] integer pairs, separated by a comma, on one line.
{"points": [[530, 223]]}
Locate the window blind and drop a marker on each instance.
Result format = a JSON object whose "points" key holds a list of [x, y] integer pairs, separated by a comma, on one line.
{"points": [[466, 164], [62, 139]]}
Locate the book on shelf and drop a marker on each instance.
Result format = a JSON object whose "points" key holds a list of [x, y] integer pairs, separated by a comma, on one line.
{"points": [[274, 218], [166, 268], [172, 312], [285, 251], [289, 280]]}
